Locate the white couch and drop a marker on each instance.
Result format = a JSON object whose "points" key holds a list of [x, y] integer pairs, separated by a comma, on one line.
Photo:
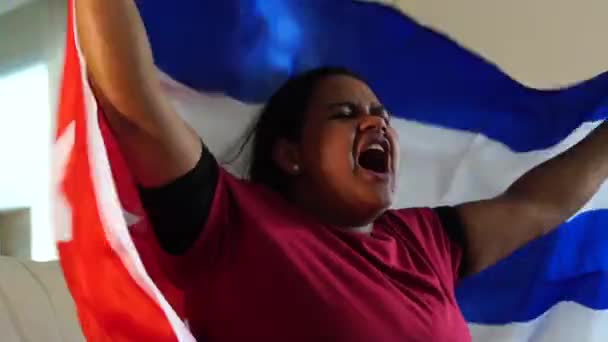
{"points": [[35, 304]]}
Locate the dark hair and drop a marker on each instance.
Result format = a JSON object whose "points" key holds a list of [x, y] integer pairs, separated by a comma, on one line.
{"points": [[283, 118]]}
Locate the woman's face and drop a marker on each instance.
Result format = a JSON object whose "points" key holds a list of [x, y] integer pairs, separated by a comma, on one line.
{"points": [[348, 154]]}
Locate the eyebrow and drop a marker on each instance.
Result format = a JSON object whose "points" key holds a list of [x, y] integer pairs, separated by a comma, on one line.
{"points": [[374, 108], [341, 104]]}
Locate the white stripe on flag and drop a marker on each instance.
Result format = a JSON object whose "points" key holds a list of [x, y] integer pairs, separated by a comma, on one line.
{"points": [[438, 166], [62, 212], [565, 322]]}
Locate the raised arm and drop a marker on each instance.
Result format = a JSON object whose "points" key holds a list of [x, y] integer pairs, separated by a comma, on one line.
{"points": [[158, 145], [536, 203]]}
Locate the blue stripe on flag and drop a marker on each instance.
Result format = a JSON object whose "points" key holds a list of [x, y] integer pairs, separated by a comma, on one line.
{"points": [[246, 48], [571, 264]]}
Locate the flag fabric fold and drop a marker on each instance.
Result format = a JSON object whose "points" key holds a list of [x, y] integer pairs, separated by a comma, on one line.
{"points": [[116, 298], [467, 131]]}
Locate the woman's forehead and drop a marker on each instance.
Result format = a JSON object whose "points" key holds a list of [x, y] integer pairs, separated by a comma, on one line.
{"points": [[343, 88]]}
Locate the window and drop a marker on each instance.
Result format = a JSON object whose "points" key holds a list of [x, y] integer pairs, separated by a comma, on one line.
{"points": [[25, 148]]}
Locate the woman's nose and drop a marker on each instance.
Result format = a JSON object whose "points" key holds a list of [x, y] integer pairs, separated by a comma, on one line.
{"points": [[373, 122]]}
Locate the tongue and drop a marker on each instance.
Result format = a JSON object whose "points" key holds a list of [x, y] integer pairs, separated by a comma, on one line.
{"points": [[373, 160]]}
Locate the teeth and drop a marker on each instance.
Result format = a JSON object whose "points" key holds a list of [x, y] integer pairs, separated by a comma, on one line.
{"points": [[375, 147]]}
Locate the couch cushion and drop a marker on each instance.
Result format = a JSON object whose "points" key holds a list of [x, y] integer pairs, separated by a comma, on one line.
{"points": [[35, 304]]}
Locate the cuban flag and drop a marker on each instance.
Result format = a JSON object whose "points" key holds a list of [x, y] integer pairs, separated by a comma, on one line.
{"points": [[467, 131]]}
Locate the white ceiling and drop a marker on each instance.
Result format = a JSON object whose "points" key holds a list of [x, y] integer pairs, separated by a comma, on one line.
{"points": [[9, 5]]}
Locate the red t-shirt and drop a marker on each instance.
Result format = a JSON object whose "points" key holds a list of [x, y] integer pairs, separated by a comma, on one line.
{"points": [[261, 270]]}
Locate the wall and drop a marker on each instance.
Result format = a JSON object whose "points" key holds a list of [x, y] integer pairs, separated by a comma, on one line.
{"points": [[15, 239], [30, 59], [542, 43], [9, 5]]}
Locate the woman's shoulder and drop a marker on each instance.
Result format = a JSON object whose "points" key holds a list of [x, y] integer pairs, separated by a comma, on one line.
{"points": [[427, 220], [239, 188], [443, 216], [411, 215]]}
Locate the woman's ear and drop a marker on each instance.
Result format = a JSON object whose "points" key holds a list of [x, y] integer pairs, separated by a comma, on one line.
{"points": [[287, 157]]}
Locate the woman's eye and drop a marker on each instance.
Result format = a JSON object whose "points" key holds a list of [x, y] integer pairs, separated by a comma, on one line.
{"points": [[345, 113]]}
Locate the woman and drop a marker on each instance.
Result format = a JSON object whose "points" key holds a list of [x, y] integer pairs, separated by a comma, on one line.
{"points": [[308, 249]]}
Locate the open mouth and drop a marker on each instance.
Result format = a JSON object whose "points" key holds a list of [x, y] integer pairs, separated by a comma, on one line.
{"points": [[374, 156]]}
